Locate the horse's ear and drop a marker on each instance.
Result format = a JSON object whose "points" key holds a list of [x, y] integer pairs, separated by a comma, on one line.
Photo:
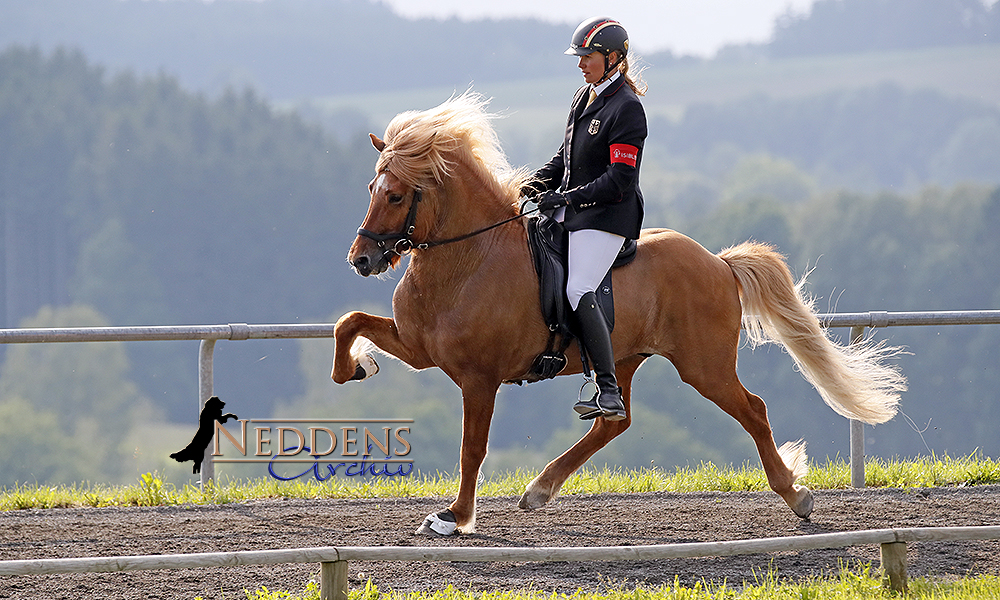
{"points": [[379, 144]]}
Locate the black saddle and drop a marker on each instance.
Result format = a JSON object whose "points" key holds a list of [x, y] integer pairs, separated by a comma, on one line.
{"points": [[549, 241]]}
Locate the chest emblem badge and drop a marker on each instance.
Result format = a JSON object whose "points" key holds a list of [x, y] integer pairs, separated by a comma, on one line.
{"points": [[594, 126]]}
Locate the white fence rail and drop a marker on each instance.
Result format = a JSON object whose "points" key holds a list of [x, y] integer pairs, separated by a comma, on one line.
{"points": [[209, 334], [334, 560]]}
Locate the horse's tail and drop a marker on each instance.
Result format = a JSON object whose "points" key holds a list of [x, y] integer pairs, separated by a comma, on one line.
{"points": [[852, 379]]}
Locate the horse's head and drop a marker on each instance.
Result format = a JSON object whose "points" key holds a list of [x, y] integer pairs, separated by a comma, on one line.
{"points": [[450, 158], [384, 237]]}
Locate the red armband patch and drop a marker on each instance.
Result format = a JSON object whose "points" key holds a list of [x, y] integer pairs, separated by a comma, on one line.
{"points": [[623, 153]]}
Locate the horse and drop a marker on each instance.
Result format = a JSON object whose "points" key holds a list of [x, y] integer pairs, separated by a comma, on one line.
{"points": [[468, 303]]}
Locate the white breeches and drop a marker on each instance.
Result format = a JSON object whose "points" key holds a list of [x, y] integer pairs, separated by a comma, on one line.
{"points": [[591, 253]]}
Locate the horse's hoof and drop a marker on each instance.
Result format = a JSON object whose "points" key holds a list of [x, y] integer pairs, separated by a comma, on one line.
{"points": [[366, 368], [442, 523], [803, 505], [533, 498]]}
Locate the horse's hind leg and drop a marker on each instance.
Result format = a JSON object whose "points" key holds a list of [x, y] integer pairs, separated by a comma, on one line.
{"points": [[782, 466], [544, 487]]}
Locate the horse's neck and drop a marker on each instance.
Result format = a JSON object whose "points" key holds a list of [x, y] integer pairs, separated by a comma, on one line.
{"points": [[470, 203], [487, 270], [468, 206]]}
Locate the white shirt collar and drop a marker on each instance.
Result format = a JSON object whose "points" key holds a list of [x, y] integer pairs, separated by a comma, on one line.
{"points": [[599, 89]]}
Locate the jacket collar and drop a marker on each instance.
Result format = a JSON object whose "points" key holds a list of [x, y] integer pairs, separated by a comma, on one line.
{"points": [[602, 87], [607, 89]]}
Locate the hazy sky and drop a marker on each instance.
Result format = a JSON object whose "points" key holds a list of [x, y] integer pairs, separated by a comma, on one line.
{"points": [[697, 27]]}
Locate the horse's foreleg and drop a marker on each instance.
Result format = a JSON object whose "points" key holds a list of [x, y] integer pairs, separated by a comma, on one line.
{"points": [[478, 401], [349, 362], [545, 487]]}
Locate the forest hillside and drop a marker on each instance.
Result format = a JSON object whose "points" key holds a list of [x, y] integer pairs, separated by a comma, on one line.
{"points": [[136, 189]]}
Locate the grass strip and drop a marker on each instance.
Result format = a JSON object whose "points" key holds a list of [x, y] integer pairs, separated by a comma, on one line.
{"points": [[152, 490], [861, 583]]}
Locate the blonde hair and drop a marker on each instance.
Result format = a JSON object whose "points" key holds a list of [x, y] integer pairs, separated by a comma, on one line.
{"points": [[632, 73]]}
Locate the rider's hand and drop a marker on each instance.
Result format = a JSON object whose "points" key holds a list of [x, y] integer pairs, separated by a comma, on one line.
{"points": [[550, 200]]}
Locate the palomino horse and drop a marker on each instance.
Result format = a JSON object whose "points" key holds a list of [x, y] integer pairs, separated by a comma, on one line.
{"points": [[468, 303]]}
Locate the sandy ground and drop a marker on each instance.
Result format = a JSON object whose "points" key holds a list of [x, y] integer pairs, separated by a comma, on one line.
{"points": [[582, 520]]}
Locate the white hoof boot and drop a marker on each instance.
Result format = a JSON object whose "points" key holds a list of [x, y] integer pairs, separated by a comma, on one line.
{"points": [[366, 368], [361, 352], [442, 523]]}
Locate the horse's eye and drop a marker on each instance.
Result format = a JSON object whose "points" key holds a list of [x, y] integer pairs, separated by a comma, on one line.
{"points": [[395, 199]]}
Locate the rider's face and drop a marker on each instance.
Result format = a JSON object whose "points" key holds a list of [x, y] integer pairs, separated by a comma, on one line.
{"points": [[592, 65]]}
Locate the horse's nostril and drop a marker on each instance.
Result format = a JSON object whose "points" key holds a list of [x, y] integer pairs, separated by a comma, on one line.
{"points": [[363, 265]]}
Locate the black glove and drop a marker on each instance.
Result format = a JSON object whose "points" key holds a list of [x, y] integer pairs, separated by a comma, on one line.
{"points": [[550, 200]]}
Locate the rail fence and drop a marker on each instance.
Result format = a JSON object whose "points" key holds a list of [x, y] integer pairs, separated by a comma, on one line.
{"points": [[209, 334], [334, 560]]}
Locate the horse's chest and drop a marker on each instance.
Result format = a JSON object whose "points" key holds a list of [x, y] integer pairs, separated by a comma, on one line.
{"points": [[444, 332]]}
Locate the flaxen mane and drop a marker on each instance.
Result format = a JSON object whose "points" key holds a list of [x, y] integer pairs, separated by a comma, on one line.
{"points": [[423, 147]]}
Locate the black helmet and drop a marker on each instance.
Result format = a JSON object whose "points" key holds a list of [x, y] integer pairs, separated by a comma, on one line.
{"points": [[599, 34]]}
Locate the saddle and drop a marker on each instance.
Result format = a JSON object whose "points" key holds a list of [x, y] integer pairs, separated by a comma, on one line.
{"points": [[548, 241]]}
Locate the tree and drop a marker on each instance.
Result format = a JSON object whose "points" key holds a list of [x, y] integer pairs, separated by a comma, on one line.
{"points": [[79, 394], [843, 26], [157, 206], [760, 176], [36, 449], [114, 274]]}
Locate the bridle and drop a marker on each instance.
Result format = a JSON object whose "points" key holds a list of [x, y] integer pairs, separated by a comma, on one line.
{"points": [[402, 242]]}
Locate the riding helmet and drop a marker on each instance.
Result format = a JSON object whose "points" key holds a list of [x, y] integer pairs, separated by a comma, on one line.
{"points": [[598, 34]]}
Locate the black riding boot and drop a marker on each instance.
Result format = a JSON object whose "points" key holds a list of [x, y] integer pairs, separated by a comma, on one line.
{"points": [[596, 338]]}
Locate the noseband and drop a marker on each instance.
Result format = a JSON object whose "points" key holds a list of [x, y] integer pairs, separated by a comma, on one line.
{"points": [[402, 243]]}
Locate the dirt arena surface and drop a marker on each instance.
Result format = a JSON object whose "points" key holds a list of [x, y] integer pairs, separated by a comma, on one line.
{"points": [[582, 520]]}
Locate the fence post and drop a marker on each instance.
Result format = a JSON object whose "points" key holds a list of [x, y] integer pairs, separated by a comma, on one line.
{"points": [[206, 389], [333, 580], [857, 429], [893, 555]]}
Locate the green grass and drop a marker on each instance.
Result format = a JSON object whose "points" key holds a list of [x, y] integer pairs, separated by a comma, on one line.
{"points": [[152, 490], [857, 584]]}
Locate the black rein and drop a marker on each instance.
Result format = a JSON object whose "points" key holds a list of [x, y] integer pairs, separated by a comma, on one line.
{"points": [[402, 242]]}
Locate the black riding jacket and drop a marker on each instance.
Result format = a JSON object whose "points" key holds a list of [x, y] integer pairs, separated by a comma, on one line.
{"points": [[597, 166]]}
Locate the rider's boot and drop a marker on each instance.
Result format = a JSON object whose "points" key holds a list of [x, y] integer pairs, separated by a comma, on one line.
{"points": [[595, 337]]}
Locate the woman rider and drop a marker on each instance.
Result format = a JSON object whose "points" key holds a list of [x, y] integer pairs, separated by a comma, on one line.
{"points": [[592, 186]]}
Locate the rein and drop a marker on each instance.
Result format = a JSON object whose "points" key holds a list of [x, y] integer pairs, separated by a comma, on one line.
{"points": [[402, 243]]}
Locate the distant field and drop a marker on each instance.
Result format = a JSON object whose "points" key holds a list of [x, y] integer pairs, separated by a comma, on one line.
{"points": [[971, 71], [536, 109]]}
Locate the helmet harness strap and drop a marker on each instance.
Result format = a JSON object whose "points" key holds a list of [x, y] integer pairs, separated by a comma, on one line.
{"points": [[608, 67]]}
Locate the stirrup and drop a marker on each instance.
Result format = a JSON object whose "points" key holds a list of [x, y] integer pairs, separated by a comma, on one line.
{"points": [[591, 409]]}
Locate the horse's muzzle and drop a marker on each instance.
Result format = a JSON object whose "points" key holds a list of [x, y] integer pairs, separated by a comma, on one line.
{"points": [[366, 264], [362, 265]]}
